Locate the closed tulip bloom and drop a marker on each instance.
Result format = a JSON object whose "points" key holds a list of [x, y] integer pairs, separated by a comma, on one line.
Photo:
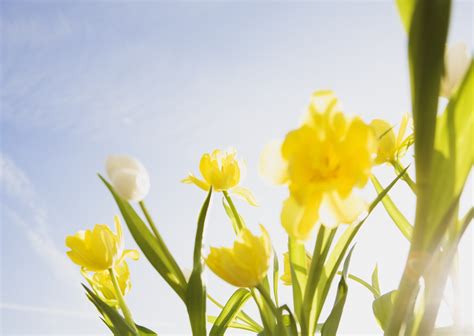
{"points": [[129, 177], [390, 146], [322, 162], [103, 285], [98, 249], [456, 62], [222, 171], [246, 263]]}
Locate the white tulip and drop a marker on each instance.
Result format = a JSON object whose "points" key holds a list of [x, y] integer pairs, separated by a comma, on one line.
{"points": [[128, 176], [456, 62]]}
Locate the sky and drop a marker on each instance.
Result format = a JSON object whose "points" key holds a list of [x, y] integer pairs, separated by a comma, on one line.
{"points": [[166, 82]]}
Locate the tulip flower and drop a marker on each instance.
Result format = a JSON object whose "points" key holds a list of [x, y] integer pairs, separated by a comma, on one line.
{"points": [[102, 283], [456, 62], [128, 176], [322, 161], [99, 249], [223, 172], [390, 146], [246, 263]]}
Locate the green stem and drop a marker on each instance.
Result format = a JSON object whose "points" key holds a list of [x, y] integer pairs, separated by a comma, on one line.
{"points": [[238, 220], [150, 220], [268, 300], [118, 294], [399, 168]]}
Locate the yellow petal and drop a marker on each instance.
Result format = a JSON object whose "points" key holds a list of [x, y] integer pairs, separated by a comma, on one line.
{"points": [[245, 194], [336, 210], [272, 166], [191, 179], [300, 219]]}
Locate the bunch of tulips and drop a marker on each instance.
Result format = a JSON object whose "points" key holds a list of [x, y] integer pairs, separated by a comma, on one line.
{"points": [[323, 163]]}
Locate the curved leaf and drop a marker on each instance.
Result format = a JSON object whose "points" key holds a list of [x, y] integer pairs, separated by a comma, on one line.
{"points": [[230, 310]]}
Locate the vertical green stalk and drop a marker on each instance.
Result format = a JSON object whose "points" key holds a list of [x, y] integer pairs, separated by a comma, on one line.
{"points": [[238, 220], [123, 306]]}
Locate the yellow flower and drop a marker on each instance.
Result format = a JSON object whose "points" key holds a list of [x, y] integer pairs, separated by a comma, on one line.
{"points": [[246, 263], [223, 172], [286, 276], [103, 286], [390, 146], [322, 161], [99, 249]]}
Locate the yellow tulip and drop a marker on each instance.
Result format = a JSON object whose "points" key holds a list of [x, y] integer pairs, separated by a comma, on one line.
{"points": [[223, 172], [99, 249], [103, 286], [286, 276], [390, 146], [322, 162], [246, 263]]}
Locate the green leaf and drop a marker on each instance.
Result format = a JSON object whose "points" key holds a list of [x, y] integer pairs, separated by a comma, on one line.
{"points": [[275, 276], [196, 289], [382, 308], [375, 280], [231, 211], [454, 153], [235, 325], [299, 273], [230, 310], [143, 331], [362, 282], [405, 9], [337, 254], [112, 318], [289, 321], [398, 218], [332, 322], [150, 246]]}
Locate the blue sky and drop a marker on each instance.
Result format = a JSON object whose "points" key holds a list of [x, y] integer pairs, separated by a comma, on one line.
{"points": [[165, 82]]}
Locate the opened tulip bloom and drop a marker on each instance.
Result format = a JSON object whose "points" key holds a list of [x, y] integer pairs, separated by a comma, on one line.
{"points": [[222, 171], [128, 176], [103, 286], [98, 249], [322, 161], [246, 263], [390, 147], [456, 62]]}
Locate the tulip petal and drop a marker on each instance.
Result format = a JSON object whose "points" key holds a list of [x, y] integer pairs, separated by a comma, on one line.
{"points": [[191, 179], [300, 219], [271, 165], [336, 210], [245, 194]]}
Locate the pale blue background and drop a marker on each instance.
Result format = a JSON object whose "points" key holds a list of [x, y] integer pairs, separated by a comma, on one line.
{"points": [[165, 82]]}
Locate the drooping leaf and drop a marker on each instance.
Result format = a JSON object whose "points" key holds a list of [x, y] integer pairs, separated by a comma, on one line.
{"points": [[230, 310], [150, 246], [289, 321], [398, 218], [196, 289], [332, 322], [382, 308]]}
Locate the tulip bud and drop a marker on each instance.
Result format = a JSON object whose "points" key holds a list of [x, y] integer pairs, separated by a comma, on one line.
{"points": [[128, 176], [456, 63]]}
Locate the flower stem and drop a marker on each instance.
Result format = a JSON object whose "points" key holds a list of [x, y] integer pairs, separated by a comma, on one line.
{"points": [[238, 220], [408, 180], [118, 294], [150, 220]]}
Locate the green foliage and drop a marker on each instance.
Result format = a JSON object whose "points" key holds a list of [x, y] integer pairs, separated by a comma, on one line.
{"points": [[382, 308], [230, 310]]}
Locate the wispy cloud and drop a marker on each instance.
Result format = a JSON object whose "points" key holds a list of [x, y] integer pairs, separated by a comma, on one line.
{"points": [[18, 186], [47, 310]]}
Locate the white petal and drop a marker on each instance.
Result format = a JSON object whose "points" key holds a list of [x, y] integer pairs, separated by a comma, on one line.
{"points": [[456, 62], [115, 163], [131, 185]]}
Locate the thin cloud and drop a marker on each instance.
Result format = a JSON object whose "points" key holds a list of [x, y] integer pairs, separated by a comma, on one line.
{"points": [[46, 310]]}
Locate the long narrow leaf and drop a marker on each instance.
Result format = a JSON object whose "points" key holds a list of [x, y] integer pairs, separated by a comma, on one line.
{"points": [[299, 273], [398, 218], [230, 310], [235, 325], [151, 248], [196, 289]]}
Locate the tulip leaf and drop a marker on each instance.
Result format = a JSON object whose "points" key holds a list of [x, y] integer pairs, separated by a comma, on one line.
{"points": [[230, 310], [405, 9], [111, 317], [337, 254], [332, 322], [299, 273], [275, 276], [234, 324], [398, 218], [454, 153], [375, 280], [196, 289], [289, 321], [363, 283], [151, 248], [382, 308]]}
